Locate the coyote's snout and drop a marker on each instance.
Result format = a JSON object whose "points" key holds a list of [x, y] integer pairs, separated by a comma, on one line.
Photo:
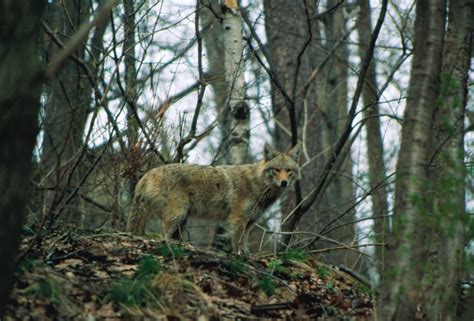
{"points": [[236, 193]]}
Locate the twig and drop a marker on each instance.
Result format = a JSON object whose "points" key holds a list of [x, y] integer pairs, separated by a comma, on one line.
{"points": [[256, 309], [317, 236], [202, 89], [356, 276], [306, 204], [353, 247], [131, 104], [78, 39], [273, 77]]}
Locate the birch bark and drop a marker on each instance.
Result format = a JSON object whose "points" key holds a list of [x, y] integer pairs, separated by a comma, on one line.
{"points": [[213, 40], [237, 112]]}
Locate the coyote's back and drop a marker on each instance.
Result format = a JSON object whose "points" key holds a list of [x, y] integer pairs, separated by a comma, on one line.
{"points": [[236, 193]]}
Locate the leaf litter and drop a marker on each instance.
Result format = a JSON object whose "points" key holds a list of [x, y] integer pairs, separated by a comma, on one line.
{"points": [[115, 276]]}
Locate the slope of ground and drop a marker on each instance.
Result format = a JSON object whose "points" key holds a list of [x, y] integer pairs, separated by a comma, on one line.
{"points": [[115, 276]]}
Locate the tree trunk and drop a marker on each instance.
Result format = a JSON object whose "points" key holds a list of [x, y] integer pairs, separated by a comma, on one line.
{"points": [[19, 103], [375, 150], [237, 111], [294, 45], [443, 278], [68, 99], [213, 34], [400, 291], [213, 40], [130, 70], [287, 32], [332, 98], [118, 216]]}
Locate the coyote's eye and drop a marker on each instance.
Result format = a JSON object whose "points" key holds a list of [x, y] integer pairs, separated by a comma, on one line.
{"points": [[275, 170]]}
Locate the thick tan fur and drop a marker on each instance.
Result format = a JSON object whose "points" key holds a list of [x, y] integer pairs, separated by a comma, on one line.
{"points": [[238, 194]]}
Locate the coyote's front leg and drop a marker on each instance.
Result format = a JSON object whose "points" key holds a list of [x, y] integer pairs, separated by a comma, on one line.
{"points": [[238, 223]]}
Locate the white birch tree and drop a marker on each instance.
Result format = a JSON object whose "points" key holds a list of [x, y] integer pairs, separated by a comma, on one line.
{"points": [[237, 112]]}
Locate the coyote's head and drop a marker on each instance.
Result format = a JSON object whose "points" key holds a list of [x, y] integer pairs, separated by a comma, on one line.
{"points": [[281, 169]]}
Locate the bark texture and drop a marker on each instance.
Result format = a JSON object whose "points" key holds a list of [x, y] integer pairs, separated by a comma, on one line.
{"points": [[213, 34], [19, 103], [400, 291], [442, 282], [287, 33], [296, 53], [130, 70], [237, 111], [213, 41], [132, 112]]}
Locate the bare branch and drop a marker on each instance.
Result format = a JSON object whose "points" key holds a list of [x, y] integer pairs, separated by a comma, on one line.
{"points": [[78, 39]]}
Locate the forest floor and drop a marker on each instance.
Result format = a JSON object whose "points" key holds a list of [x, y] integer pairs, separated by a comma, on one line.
{"points": [[115, 276]]}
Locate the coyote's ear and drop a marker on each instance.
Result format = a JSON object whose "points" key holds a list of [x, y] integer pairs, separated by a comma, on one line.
{"points": [[295, 152], [269, 152]]}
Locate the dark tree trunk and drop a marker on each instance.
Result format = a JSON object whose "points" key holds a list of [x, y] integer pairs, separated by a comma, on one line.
{"points": [[288, 31], [296, 51], [19, 105]]}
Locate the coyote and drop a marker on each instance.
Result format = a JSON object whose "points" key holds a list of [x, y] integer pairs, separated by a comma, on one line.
{"points": [[238, 194]]}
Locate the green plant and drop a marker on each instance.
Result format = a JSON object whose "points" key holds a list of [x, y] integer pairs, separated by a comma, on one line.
{"points": [[139, 290], [330, 287], [362, 288], [45, 288], [29, 265], [276, 266], [294, 255], [236, 266], [268, 285], [147, 267], [48, 288], [174, 250], [322, 271]]}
